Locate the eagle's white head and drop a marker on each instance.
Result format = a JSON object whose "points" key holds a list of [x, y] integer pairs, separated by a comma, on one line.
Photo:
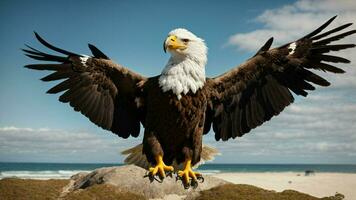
{"points": [[185, 70]]}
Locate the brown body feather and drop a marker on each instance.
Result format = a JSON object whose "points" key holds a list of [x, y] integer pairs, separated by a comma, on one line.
{"points": [[117, 99], [173, 127]]}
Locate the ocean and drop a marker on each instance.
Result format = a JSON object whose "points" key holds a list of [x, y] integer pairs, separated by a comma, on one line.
{"points": [[66, 170]]}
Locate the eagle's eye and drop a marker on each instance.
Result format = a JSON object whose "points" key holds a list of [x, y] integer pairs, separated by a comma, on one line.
{"points": [[185, 40]]}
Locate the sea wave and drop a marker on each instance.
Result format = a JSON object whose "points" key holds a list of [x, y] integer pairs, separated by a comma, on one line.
{"points": [[209, 171], [60, 174]]}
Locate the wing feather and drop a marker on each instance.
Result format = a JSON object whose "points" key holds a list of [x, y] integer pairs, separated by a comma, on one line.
{"points": [[260, 88], [94, 86]]}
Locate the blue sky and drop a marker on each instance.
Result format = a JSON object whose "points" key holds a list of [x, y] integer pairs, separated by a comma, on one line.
{"points": [[34, 126]]}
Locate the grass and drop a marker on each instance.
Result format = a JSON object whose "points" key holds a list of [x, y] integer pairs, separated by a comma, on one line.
{"points": [[24, 189], [103, 192], [19, 189], [249, 192], [12, 188]]}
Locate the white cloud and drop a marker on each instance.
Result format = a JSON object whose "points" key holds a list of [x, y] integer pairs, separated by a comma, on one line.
{"points": [[291, 22], [44, 144], [331, 6]]}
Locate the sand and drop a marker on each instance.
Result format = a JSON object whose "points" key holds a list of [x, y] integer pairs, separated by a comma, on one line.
{"points": [[318, 185]]}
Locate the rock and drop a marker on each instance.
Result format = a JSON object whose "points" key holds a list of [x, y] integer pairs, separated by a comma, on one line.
{"points": [[131, 178]]}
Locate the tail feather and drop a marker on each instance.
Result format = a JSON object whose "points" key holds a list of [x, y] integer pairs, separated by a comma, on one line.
{"points": [[136, 157], [208, 153]]}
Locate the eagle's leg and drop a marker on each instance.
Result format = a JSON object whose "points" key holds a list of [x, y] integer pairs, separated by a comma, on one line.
{"points": [[154, 154], [187, 173], [160, 167]]}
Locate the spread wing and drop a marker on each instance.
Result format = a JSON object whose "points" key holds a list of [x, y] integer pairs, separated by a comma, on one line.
{"points": [[254, 92], [101, 90]]}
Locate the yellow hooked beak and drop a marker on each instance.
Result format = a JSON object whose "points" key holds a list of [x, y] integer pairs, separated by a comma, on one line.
{"points": [[173, 43]]}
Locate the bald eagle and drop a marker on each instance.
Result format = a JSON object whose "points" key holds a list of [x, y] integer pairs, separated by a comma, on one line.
{"points": [[178, 106]]}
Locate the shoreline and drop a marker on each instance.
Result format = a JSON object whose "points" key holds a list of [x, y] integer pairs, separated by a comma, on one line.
{"points": [[66, 174]]}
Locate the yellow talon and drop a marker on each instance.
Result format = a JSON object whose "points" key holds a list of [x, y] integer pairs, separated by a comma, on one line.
{"points": [[160, 168], [188, 173]]}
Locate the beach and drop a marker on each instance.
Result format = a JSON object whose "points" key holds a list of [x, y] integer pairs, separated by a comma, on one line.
{"points": [[324, 181], [318, 185], [255, 185]]}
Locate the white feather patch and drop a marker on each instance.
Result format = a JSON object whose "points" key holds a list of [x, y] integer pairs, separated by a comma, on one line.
{"points": [[182, 77], [292, 48], [83, 59]]}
